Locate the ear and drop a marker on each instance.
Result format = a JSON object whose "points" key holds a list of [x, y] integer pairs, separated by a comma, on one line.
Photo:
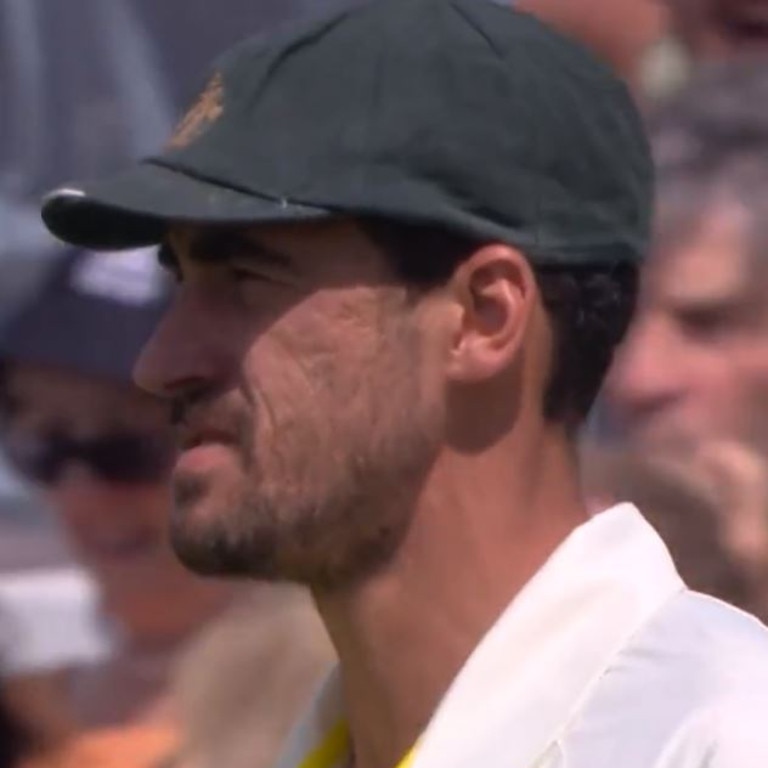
{"points": [[495, 290]]}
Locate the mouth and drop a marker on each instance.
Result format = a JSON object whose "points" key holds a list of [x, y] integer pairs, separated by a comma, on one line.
{"points": [[204, 450]]}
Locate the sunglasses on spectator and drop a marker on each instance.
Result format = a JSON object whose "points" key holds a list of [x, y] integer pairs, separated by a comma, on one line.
{"points": [[120, 457]]}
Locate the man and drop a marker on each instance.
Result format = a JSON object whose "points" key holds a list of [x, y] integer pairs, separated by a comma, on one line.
{"points": [[406, 239], [694, 366], [690, 384], [100, 452]]}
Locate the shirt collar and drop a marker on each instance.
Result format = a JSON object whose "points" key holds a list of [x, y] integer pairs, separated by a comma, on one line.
{"points": [[535, 667]]}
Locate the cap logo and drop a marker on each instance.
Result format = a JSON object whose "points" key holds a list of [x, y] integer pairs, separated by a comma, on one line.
{"points": [[205, 111]]}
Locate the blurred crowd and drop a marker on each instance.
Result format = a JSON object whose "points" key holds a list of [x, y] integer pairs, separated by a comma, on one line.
{"points": [[110, 653]]}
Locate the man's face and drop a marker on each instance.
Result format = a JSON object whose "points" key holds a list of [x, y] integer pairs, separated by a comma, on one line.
{"points": [[307, 406], [695, 363], [715, 29], [114, 510]]}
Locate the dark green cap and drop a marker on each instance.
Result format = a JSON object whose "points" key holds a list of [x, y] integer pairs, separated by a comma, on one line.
{"points": [[458, 113]]}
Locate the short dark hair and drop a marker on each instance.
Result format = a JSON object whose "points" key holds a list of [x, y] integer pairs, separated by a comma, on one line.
{"points": [[590, 305]]}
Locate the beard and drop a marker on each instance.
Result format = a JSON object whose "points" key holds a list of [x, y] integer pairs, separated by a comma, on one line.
{"points": [[324, 496]]}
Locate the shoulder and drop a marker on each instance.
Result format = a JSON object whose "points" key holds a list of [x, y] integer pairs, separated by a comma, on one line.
{"points": [[689, 690], [730, 733], [732, 659], [723, 649]]}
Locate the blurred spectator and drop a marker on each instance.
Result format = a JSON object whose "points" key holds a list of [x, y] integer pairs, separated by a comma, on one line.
{"points": [[711, 29], [694, 366], [13, 741], [621, 32], [49, 626], [102, 453], [738, 477], [703, 31], [86, 86], [51, 619], [128, 747], [686, 509], [657, 45], [241, 687]]}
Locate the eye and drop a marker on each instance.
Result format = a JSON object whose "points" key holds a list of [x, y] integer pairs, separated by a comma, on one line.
{"points": [[706, 323]]}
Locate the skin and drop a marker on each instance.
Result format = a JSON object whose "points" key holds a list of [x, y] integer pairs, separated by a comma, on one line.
{"points": [[385, 448], [117, 532], [694, 366]]}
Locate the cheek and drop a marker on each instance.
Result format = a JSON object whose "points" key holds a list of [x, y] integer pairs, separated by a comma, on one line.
{"points": [[753, 362], [76, 506], [708, 375], [80, 507], [150, 504], [749, 371], [326, 378], [716, 387], [319, 352]]}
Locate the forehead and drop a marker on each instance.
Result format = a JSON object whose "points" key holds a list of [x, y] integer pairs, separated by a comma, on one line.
{"points": [[710, 261], [52, 395], [333, 248]]}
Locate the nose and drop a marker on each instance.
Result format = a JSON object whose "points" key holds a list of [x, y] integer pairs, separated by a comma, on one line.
{"points": [[181, 353], [648, 374]]}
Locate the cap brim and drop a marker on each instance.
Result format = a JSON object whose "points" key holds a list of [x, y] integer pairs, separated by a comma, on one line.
{"points": [[134, 209]]}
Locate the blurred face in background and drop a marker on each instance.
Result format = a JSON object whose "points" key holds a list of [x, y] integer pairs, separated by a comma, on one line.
{"points": [[694, 365], [101, 453], [714, 29], [619, 31]]}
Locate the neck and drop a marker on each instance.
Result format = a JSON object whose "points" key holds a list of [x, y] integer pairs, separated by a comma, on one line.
{"points": [[483, 527]]}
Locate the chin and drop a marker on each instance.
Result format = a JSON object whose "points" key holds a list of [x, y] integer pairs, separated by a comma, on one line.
{"points": [[214, 533]]}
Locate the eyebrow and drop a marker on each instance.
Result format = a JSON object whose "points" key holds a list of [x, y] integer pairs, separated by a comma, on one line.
{"points": [[217, 247]]}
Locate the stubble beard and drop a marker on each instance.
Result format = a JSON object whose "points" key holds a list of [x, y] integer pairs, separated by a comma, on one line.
{"points": [[325, 508]]}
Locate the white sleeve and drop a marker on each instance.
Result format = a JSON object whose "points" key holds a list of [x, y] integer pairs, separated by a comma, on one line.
{"points": [[740, 735]]}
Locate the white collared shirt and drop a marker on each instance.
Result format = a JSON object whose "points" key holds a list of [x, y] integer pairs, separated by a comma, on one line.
{"points": [[604, 660]]}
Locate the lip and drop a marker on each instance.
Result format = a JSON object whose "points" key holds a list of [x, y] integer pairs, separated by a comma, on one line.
{"points": [[203, 456]]}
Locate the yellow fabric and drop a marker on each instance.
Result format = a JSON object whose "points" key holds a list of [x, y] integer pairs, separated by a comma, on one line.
{"points": [[329, 752], [332, 749], [407, 761]]}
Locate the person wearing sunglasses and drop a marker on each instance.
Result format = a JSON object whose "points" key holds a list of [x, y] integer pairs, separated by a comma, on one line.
{"points": [[99, 452]]}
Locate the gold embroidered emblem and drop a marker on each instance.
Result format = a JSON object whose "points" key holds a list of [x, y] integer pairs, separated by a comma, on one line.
{"points": [[206, 110]]}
